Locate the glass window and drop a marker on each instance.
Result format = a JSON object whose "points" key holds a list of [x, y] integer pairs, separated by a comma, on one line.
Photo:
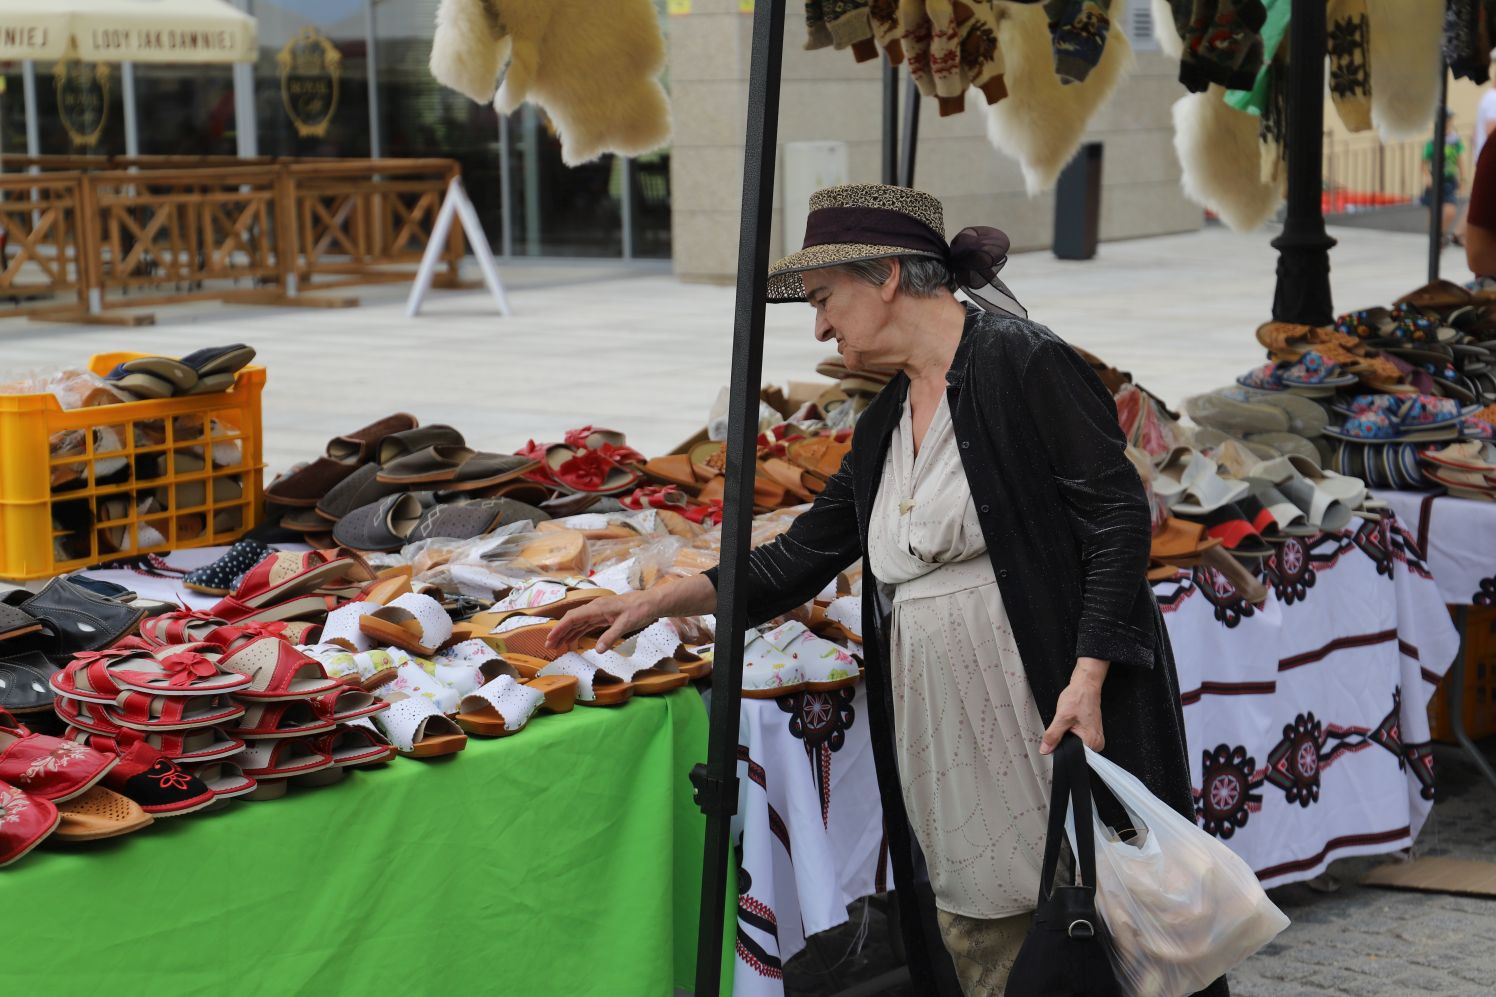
{"points": [[311, 81], [185, 110]]}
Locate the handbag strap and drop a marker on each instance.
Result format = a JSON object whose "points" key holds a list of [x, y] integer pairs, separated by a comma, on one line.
{"points": [[1071, 787]]}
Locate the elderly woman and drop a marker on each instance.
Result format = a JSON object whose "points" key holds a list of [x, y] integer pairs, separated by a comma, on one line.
{"points": [[1004, 538]]}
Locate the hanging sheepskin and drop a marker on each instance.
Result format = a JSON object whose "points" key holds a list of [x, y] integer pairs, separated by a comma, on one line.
{"points": [[1041, 122], [1220, 156], [592, 67], [1405, 36]]}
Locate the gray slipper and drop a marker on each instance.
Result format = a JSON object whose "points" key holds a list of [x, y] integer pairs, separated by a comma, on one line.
{"points": [[454, 468], [1235, 417], [358, 489], [180, 376], [1306, 417], [397, 445], [473, 519], [381, 526]]}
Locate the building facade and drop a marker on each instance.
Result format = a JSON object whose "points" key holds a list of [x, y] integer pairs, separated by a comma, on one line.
{"points": [[349, 78]]}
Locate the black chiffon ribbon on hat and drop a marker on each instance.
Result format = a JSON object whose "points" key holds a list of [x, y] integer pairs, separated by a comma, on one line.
{"points": [[977, 253], [974, 256]]}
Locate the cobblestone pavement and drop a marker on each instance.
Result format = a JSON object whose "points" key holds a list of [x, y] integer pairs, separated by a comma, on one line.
{"points": [[1353, 942]]}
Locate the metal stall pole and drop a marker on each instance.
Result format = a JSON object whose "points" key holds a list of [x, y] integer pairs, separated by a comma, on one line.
{"points": [[911, 133], [716, 782], [1436, 179], [1303, 292], [890, 121]]}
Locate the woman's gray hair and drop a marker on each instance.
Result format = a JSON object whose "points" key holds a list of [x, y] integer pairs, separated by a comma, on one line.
{"points": [[919, 276]]}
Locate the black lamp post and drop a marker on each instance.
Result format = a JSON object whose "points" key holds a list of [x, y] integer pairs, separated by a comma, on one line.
{"points": [[1303, 293]]}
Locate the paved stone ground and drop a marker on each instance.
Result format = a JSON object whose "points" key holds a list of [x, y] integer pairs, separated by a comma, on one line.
{"points": [[1354, 942]]}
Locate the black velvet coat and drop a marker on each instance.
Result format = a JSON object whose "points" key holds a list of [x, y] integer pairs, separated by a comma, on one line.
{"points": [[1068, 531]]}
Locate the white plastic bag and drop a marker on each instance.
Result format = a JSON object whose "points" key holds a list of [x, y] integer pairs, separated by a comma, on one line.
{"points": [[1182, 908]]}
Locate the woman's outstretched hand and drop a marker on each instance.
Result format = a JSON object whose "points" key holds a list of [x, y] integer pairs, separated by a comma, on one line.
{"points": [[1079, 708], [615, 615]]}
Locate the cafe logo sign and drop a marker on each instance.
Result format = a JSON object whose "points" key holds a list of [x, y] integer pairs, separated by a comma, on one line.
{"points": [[310, 69], [82, 99]]}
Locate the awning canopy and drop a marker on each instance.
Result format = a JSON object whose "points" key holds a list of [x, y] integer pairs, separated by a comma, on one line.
{"points": [[191, 31]]}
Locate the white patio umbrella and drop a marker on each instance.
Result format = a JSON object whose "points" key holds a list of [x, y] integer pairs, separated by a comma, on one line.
{"points": [[180, 31]]}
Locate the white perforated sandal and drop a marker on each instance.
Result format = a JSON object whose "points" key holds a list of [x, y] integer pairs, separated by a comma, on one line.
{"points": [[413, 622], [596, 686], [418, 729], [504, 706]]}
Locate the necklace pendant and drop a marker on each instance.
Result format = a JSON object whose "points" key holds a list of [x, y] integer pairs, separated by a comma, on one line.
{"points": [[905, 506]]}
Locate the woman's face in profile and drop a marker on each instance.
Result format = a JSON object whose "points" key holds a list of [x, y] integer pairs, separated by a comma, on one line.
{"points": [[850, 312]]}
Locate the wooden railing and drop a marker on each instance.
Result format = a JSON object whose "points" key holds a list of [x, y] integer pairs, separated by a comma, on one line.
{"points": [[158, 232]]}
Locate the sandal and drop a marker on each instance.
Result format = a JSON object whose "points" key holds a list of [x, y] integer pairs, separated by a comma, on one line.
{"points": [[414, 623], [596, 686], [25, 683], [418, 729], [49, 767], [842, 618], [223, 575], [412, 679], [354, 746], [505, 705], [768, 672], [454, 468], [281, 759], [367, 670], [286, 585], [589, 472], [384, 525], [226, 779], [173, 670], [156, 783], [25, 822], [824, 665], [144, 712], [347, 704], [362, 445], [277, 671], [98, 814], [285, 718], [408, 441]]}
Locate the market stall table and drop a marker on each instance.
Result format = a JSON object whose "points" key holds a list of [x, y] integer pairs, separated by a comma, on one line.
{"points": [[564, 860]]}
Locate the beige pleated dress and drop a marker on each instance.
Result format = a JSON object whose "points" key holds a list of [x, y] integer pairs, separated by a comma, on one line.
{"points": [[966, 729]]}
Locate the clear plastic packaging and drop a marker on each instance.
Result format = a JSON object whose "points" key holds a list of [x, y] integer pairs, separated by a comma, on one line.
{"points": [[1181, 907]]}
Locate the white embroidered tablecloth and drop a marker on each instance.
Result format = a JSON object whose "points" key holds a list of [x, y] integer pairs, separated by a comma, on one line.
{"points": [[1306, 717], [1458, 537], [808, 835]]}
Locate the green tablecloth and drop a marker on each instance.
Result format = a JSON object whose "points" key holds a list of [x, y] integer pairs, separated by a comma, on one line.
{"points": [[563, 860]]}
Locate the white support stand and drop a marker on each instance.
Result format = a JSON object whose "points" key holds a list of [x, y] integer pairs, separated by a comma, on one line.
{"points": [[456, 203]]}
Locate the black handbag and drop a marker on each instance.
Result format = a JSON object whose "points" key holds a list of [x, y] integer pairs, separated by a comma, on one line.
{"points": [[1065, 953]]}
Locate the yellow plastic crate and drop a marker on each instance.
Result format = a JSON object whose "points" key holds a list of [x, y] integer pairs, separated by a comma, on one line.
{"points": [[80, 486]]}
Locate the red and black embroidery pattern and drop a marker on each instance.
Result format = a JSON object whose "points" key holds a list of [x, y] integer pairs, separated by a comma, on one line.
{"points": [[1294, 763], [821, 721], [1230, 782]]}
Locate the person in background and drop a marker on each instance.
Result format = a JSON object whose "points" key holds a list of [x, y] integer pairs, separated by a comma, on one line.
{"points": [[1451, 176], [1485, 115], [1480, 221]]}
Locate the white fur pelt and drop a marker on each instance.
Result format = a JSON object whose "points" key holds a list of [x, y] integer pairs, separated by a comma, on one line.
{"points": [[1164, 31], [1404, 38], [465, 52], [593, 67], [1041, 122], [1220, 157]]}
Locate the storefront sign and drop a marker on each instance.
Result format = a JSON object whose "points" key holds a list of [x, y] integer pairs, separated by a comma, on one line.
{"points": [[128, 43], [82, 99], [25, 39], [310, 70]]}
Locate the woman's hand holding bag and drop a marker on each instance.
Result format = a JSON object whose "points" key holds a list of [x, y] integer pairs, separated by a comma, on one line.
{"points": [[1066, 951], [1181, 908]]}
